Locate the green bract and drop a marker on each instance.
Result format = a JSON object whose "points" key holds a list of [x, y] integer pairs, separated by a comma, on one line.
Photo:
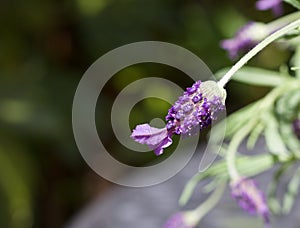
{"points": [[295, 3]]}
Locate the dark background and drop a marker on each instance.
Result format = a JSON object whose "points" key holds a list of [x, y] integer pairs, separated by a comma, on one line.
{"points": [[46, 46]]}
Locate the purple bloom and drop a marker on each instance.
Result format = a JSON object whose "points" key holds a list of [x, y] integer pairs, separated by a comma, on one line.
{"points": [[296, 127], [245, 39], [274, 5], [193, 111], [250, 198], [177, 221]]}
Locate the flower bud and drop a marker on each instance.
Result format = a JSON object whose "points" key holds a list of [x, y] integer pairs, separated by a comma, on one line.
{"points": [[250, 198], [245, 39], [274, 5], [193, 111]]}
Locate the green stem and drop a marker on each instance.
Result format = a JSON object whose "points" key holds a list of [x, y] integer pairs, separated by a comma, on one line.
{"points": [[274, 36], [272, 187], [282, 21], [194, 217], [296, 61], [233, 147]]}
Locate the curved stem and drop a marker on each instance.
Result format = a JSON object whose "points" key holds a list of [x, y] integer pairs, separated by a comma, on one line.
{"points": [[196, 215], [233, 146], [282, 21], [256, 49]]}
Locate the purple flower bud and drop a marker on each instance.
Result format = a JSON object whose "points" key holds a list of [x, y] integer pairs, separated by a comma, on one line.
{"points": [[245, 39], [275, 5], [170, 125], [197, 98], [187, 108], [193, 89], [193, 111], [196, 110], [250, 198], [177, 221], [179, 115], [296, 127]]}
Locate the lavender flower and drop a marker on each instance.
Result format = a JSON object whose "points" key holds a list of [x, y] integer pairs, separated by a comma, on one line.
{"points": [[245, 39], [296, 127], [274, 5], [193, 111], [178, 220], [250, 198]]}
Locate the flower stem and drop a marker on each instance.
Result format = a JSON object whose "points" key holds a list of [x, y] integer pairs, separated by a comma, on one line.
{"points": [[282, 21], [274, 36], [196, 215], [233, 147]]}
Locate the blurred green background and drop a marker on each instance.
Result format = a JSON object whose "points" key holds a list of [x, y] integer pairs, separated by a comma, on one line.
{"points": [[46, 46]]}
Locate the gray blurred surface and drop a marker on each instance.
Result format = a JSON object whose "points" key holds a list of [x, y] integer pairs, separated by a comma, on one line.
{"points": [[150, 207]]}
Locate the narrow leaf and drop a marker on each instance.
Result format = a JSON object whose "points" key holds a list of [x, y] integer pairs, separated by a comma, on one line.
{"points": [[295, 3], [289, 137], [291, 193], [254, 135], [273, 138], [272, 189]]}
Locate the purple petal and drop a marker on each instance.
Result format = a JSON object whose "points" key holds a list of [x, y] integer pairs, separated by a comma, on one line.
{"points": [[160, 147], [275, 5], [266, 4], [145, 134], [157, 139], [232, 46], [245, 39]]}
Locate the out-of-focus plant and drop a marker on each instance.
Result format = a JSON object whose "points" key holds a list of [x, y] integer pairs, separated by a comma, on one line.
{"points": [[275, 117]]}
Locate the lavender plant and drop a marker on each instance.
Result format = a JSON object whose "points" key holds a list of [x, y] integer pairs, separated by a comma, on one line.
{"points": [[275, 117]]}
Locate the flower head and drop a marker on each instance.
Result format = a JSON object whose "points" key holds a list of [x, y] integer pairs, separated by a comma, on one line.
{"points": [[245, 39], [274, 5], [178, 220], [193, 111], [250, 198], [296, 127]]}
